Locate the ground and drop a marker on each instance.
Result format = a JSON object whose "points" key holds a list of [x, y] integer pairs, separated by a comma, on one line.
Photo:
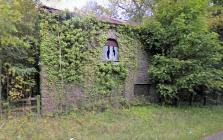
{"points": [[137, 123], [218, 136]]}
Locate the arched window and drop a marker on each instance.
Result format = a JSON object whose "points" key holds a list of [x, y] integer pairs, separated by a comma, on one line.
{"points": [[110, 50]]}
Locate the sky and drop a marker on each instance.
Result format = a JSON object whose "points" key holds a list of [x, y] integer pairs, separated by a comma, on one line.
{"points": [[70, 4]]}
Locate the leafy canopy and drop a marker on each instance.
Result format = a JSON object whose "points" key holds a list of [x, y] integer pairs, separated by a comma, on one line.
{"points": [[185, 52], [18, 47]]}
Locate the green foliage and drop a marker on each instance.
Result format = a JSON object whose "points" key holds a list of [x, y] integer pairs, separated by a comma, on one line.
{"points": [[133, 10], [216, 16], [109, 76], [185, 52], [144, 123], [19, 81], [71, 53], [18, 48], [9, 18], [17, 18]]}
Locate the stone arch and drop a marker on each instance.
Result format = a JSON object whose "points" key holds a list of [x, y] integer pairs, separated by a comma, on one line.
{"points": [[110, 50]]}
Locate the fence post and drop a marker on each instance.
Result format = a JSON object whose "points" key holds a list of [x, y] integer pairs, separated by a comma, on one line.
{"points": [[1, 108], [218, 101], [38, 104]]}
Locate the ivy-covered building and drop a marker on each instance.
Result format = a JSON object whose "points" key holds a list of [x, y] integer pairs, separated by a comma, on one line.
{"points": [[88, 62]]}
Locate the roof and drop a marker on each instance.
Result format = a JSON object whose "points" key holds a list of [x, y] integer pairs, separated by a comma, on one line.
{"points": [[49, 9], [108, 19], [105, 19]]}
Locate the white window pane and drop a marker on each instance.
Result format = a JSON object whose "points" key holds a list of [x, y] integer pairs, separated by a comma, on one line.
{"points": [[111, 53], [116, 54], [105, 51]]}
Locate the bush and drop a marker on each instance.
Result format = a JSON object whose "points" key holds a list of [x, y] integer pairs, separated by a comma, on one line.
{"points": [[185, 52]]}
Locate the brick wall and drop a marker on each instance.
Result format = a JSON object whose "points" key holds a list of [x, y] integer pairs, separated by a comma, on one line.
{"points": [[141, 75], [73, 93], [142, 85], [50, 98]]}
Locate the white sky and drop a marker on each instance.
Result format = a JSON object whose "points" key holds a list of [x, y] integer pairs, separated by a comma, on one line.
{"points": [[70, 4]]}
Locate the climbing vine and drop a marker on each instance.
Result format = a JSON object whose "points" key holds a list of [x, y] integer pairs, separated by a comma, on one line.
{"points": [[71, 51]]}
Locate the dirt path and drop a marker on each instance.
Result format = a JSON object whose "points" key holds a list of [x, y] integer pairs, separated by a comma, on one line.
{"points": [[218, 136]]}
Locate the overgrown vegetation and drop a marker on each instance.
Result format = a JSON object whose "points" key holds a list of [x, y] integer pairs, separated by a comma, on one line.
{"points": [[143, 123], [186, 53], [216, 16], [186, 61], [18, 49], [72, 50]]}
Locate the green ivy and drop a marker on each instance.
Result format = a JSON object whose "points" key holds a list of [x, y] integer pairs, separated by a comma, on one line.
{"points": [[71, 51]]}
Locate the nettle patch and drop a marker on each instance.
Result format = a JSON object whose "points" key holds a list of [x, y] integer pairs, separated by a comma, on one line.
{"points": [[76, 50]]}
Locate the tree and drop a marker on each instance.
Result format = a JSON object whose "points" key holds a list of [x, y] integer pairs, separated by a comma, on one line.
{"points": [[92, 7], [133, 10], [216, 16], [185, 51], [18, 47], [7, 27], [8, 21]]}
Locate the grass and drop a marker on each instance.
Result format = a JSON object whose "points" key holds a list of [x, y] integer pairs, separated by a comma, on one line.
{"points": [[137, 123]]}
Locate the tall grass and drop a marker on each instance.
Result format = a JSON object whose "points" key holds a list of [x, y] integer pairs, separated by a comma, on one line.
{"points": [[137, 123]]}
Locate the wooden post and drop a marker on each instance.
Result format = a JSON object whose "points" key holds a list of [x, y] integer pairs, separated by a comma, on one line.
{"points": [[38, 104], [218, 101], [1, 108], [191, 99], [0, 80], [205, 98], [28, 104]]}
